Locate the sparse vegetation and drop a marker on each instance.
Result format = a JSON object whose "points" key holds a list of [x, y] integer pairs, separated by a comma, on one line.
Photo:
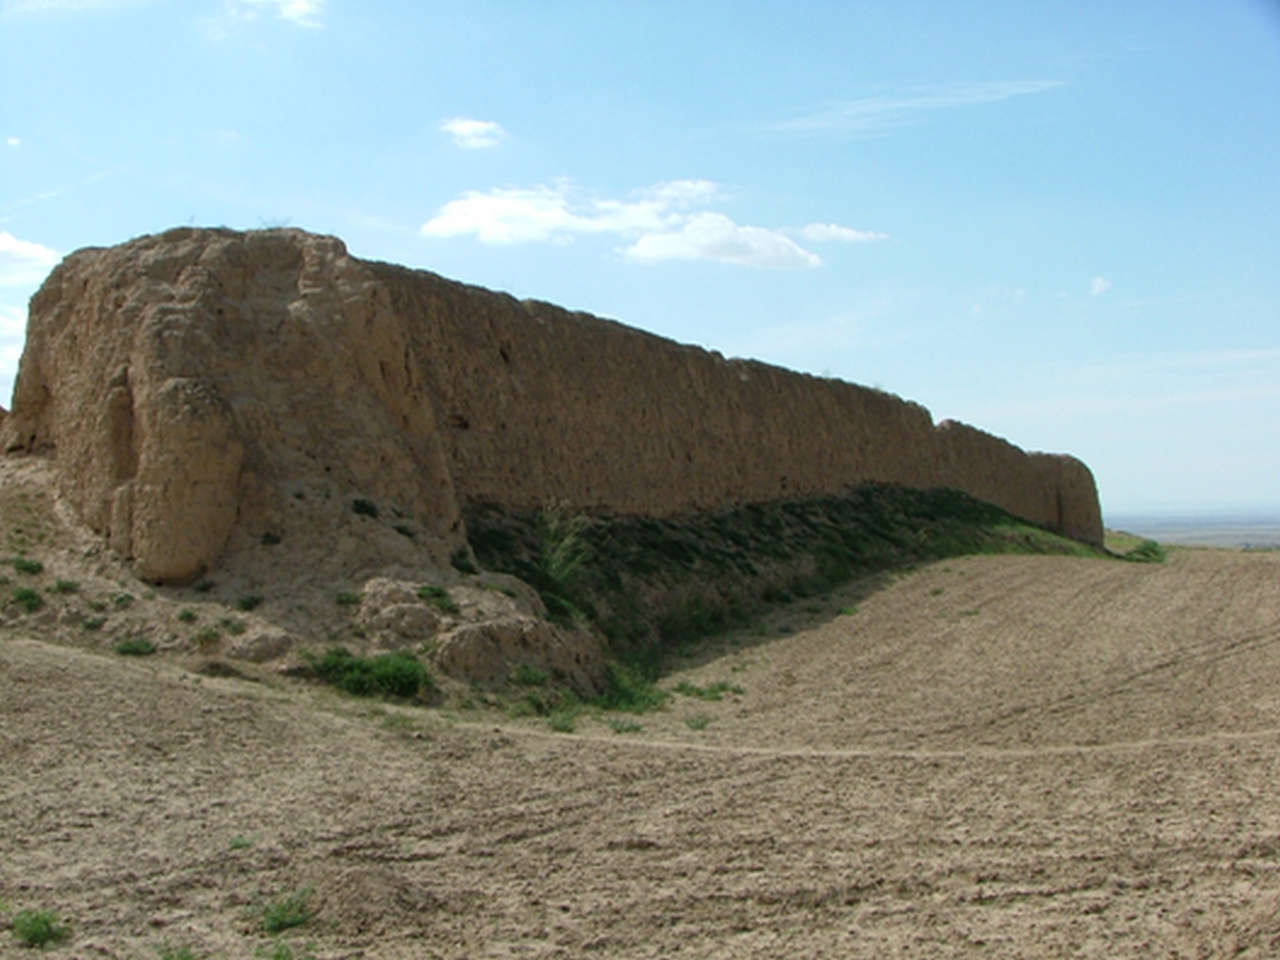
{"points": [[282, 951], [848, 611], [364, 508], [239, 842], [395, 674], [347, 599], [699, 721], [624, 725], [1148, 551], [122, 600], [29, 600], [404, 530], [134, 647], [204, 586], [65, 586], [27, 565], [92, 623], [206, 637], [631, 688], [712, 691], [38, 928], [232, 626], [250, 601], [439, 598], [270, 538], [176, 953], [461, 561], [188, 616], [292, 911], [524, 675]]}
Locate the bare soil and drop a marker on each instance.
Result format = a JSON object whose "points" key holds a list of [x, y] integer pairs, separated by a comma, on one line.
{"points": [[988, 757]]}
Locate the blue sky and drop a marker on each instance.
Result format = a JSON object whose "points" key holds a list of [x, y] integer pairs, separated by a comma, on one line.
{"points": [[1056, 221]]}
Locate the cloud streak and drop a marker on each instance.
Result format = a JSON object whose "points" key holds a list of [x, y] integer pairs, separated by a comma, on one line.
{"points": [[23, 263], [665, 222], [471, 134], [877, 116]]}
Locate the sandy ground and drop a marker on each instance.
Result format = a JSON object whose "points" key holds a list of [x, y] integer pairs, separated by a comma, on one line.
{"points": [[989, 757]]}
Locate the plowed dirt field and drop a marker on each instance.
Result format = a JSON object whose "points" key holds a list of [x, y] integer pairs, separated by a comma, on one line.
{"points": [[987, 757]]}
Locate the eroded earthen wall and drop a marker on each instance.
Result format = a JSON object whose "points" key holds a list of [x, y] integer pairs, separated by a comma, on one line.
{"points": [[200, 385]]}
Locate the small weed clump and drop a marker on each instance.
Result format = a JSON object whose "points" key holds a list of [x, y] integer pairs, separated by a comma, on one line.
{"points": [[347, 599], [232, 626], [563, 719], [239, 842], [364, 508], [630, 689], [122, 600], [187, 616], [204, 586], [29, 600], [134, 647], [177, 953], [404, 530], [250, 601], [65, 586], [461, 561], [36, 928], [624, 725], [439, 598], [270, 538], [1148, 551], [699, 721], [396, 674], [524, 675], [206, 637], [290, 912], [282, 951], [92, 623], [712, 691], [27, 565]]}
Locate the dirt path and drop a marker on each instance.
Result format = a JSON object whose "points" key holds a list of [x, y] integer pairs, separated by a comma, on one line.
{"points": [[993, 756]]}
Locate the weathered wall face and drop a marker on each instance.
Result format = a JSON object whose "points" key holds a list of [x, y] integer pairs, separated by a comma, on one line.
{"points": [[202, 382]]}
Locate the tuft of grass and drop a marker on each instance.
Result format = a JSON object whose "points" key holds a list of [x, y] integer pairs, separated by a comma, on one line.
{"points": [[848, 611], [712, 691], [363, 507], [624, 725], [563, 721], [65, 586], [206, 637], [122, 600], [396, 674], [26, 565], [282, 951], [37, 928], [176, 953], [524, 675], [439, 598], [232, 626], [291, 911], [250, 601], [204, 586], [1148, 551], [699, 721], [630, 689], [404, 530], [29, 600], [134, 647], [461, 561], [93, 623], [188, 616], [347, 599], [239, 842], [270, 538]]}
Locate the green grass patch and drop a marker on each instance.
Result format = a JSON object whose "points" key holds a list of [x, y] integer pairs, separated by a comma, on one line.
{"points": [[699, 721], [395, 674], [250, 601], [524, 675], [27, 565], [291, 911], [38, 928], [439, 598], [1148, 551], [134, 647], [623, 725], [188, 616], [167, 952], [364, 508], [347, 599], [66, 586], [29, 600]]}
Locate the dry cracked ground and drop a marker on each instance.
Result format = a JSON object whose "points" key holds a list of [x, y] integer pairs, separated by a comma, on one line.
{"points": [[988, 757]]}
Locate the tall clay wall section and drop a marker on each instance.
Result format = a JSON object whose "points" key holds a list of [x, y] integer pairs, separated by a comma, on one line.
{"points": [[202, 385]]}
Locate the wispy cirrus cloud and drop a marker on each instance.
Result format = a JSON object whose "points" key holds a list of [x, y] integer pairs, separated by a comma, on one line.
{"points": [[1098, 286], [877, 116], [667, 221], [473, 134], [234, 13]]}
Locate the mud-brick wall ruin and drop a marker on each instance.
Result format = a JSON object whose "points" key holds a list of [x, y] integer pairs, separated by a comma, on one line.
{"points": [[203, 385]]}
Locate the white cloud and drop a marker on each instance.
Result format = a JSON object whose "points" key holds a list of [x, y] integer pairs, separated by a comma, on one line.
{"points": [[876, 116], [473, 134], [13, 331], [302, 13], [12, 142], [23, 263], [1098, 286], [833, 233], [713, 236], [659, 223]]}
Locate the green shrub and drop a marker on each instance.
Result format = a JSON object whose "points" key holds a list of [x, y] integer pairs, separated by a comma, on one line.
{"points": [[624, 725], [204, 586], [134, 647], [404, 530], [396, 674], [93, 623], [28, 599], [563, 719], [524, 675], [176, 953], [270, 538], [187, 616], [27, 565], [65, 586], [122, 600], [206, 637], [699, 721], [363, 507], [461, 561], [438, 597], [232, 626], [250, 601], [347, 599], [1148, 551], [239, 842], [290, 912], [36, 928], [629, 689]]}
